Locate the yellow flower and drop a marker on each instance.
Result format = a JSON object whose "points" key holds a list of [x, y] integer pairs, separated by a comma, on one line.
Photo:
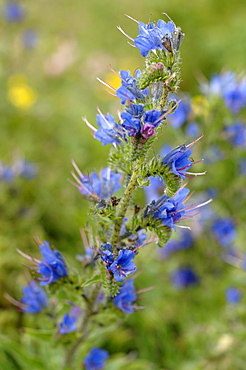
{"points": [[200, 105], [20, 93]]}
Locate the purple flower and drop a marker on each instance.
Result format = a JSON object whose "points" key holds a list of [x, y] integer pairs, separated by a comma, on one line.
{"points": [[184, 277], [162, 36], [34, 298], [129, 89], [233, 295], [148, 130], [236, 134], [13, 12], [224, 231], [109, 132], [95, 360], [104, 186], [52, 267], [123, 266], [126, 297]]}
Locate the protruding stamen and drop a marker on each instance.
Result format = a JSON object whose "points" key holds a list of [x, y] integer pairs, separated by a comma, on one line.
{"points": [[133, 19], [125, 34], [92, 128], [105, 83]]}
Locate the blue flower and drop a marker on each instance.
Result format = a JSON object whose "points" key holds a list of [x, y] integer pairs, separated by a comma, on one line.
{"points": [[52, 267], [155, 188], [126, 297], [236, 134], [68, 324], [225, 232], [235, 96], [180, 115], [95, 360], [123, 266], [13, 12], [192, 129], [233, 295], [129, 89], [162, 36], [169, 210], [230, 88], [173, 246], [184, 277], [102, 187], [29, 38], [109, 132], [218, 83], [131, 124], [34, 298], [178, 160]]}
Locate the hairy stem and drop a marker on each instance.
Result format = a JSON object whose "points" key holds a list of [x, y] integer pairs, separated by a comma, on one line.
{"points": [[124, 203], [71, 351]]}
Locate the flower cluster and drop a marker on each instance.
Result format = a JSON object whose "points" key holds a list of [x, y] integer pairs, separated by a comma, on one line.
{"points": [[120, 266], [231, 88]]}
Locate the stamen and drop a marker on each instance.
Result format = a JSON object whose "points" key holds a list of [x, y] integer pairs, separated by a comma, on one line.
{"points": [[128, 16], [89, 125], [125, 34], [105, 83]]}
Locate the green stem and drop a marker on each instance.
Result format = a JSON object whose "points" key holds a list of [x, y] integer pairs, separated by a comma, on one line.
{"points": [[124, 203], [83, 329]]}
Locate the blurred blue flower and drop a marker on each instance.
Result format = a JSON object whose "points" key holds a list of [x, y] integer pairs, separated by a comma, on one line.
{"points": [[153, 37], [225, 232], [180, 115], [212, 154], [69, 321], [34, 298], [230, 88], [52, 267], [102, 186], [129, 89], [218, 82], [236, 134], [155, 188], [126, 297], [242, 165], [109, 132], [233, 295], [20, 168], [95, 360], [123, 265], [184, 277], [13, 11], [192, 129], [29, 38], [185, 241]]}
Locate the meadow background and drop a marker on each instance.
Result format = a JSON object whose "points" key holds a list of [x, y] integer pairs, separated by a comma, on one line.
{"points": [[49, 61]]}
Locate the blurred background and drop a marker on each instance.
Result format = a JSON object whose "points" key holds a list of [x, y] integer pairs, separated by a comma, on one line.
{"points": [[51, 53]]}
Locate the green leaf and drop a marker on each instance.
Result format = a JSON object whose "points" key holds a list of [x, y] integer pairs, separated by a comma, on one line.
{"points": [[93, 280], [45, 335]]}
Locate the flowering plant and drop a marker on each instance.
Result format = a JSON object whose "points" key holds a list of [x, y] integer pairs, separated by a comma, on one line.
{"points": [[120, 227]]}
